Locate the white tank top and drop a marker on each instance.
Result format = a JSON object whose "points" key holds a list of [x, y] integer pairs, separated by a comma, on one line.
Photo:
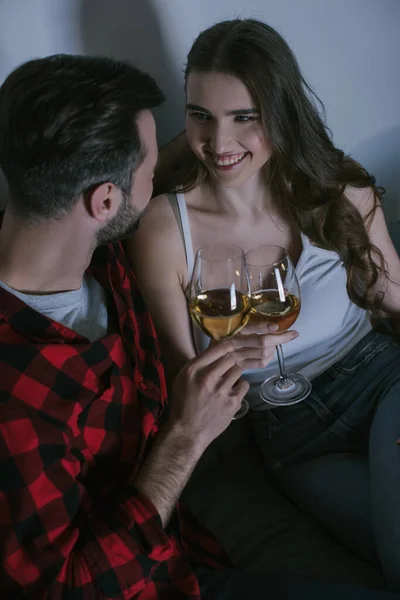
{"points": [[329, 323]]}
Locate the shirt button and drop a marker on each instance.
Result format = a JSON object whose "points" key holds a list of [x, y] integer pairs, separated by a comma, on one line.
{"points": [[154, 428]]}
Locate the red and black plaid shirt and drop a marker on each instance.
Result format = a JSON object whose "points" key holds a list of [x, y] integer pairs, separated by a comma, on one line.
{"points": [[76, 421]]}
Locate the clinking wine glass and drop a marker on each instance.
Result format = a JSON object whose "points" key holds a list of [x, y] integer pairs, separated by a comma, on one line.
{"points": [[275, 298], [219, 299]]}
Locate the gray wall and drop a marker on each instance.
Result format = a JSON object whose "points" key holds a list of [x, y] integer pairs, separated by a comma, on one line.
{"points": [[348, 50]]}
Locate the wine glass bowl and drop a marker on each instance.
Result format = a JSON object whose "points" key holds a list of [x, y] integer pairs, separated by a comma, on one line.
{"points": [[219, 296], [220, 313], [275, 298], [267, 306]]}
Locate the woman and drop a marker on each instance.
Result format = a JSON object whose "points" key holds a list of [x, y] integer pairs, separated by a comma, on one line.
{"points": [[263, 169]]}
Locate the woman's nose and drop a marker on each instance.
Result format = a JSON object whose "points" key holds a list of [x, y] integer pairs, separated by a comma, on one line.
{"points": [[219, 139]]}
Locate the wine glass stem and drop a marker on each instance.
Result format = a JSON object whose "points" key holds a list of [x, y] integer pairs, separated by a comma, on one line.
{"points": [[281, 362]]}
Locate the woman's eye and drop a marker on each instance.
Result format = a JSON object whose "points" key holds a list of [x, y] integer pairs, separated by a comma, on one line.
{"points": [[200, 117], [244, 119]]}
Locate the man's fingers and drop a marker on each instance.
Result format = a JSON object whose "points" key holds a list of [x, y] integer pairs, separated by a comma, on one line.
{"points": [[231, 378], [213, 353], [240, 389], [214, 372], [256, 363], [256, 350]]}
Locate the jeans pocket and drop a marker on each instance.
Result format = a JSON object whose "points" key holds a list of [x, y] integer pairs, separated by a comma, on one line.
{"points": [[368, 348], [264, 424], [289, 434]]}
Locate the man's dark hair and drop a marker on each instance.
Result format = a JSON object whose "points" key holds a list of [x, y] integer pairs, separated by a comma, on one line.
{"points": [[67, 124]]}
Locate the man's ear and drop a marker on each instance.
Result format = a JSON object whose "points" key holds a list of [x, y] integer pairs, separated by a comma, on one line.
{"points": [[103, 201]]}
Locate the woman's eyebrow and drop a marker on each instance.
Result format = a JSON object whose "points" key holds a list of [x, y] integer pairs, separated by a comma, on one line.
{"points": [[229, 113]]}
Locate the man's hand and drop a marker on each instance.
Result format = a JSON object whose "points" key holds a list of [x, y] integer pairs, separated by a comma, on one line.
{"points": [[209, 389], [254, 346], [205, 396]]}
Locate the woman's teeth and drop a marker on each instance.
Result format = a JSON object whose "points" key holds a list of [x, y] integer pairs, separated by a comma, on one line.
{"points": [[226, 161]]}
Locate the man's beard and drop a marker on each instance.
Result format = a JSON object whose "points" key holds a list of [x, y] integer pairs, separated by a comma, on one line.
{"points": [[125, 222]]}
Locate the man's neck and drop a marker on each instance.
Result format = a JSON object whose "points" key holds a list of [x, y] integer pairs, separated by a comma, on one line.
{"points": [[44, 258]]}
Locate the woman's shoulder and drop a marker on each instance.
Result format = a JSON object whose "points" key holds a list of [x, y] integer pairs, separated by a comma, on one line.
{"points": [[159, 207], [159, 220], [166, 205], [157, 242], [365, 200]]}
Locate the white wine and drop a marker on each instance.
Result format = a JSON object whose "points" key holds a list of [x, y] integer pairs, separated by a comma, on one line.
{"points": [[220, 313], [267, 306]]}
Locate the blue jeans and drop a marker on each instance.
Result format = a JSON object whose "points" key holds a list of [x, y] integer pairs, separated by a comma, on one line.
{"points": [[337, 454]]}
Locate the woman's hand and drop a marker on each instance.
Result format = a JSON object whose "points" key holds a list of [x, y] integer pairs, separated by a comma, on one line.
{"points": [[254, 346]]}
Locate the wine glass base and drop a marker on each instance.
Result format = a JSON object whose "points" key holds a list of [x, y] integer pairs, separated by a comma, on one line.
{"points": [[243, 410], [274, 392]]}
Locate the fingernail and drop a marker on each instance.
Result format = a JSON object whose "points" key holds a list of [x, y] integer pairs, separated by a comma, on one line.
{"points": [[272, 327], [294, 334]]}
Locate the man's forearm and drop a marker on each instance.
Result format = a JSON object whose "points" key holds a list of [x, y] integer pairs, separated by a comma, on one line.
{"points": [[167, 469]]}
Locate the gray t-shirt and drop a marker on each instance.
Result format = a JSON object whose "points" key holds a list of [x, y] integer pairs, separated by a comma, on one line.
{"points": [[84, 310]]}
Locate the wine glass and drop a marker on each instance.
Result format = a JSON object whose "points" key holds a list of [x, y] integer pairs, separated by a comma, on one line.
{"points": [[275, 298], [219, 298]]}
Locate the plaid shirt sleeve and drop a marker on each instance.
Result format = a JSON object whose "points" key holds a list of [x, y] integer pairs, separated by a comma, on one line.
{"points": [[57, 540]]}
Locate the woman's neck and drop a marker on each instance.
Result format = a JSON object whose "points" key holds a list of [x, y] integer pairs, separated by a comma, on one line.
{"points": [[252, 198]]}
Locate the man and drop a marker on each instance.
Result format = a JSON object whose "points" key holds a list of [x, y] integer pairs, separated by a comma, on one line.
{"points": [[93, 461]]}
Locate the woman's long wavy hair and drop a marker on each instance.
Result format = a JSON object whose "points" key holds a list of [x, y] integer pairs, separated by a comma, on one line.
{"points": [[307, 174]]}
